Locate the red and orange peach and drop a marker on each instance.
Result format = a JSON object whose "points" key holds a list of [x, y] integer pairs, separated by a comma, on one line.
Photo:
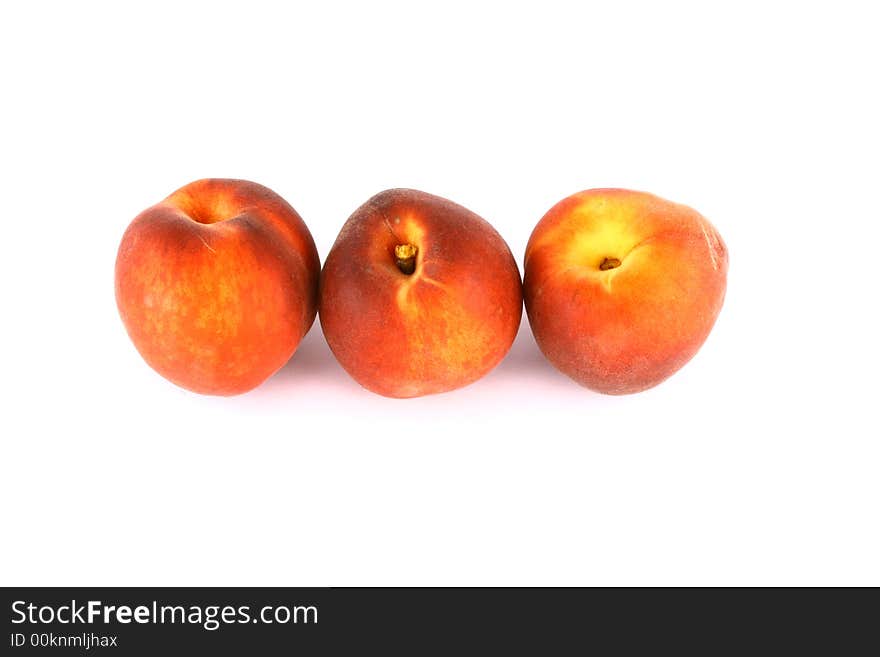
{"points": [[418, 295], [622, 288], [217, 284]]}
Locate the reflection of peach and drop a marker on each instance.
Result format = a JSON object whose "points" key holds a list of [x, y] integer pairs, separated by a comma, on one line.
{"points": [[418, 295], [217, 284], [622, 287]]}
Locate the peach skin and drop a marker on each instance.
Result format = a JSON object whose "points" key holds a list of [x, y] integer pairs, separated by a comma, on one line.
{"points": [[622, 287], [217, 284], [418, 295]]}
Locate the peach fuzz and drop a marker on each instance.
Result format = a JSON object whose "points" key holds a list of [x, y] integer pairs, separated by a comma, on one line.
{"points": [[622, 287], [217, 285], [418, 295]]}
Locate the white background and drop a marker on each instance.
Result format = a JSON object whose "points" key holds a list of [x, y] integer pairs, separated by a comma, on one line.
{"points": [[756, 464]]}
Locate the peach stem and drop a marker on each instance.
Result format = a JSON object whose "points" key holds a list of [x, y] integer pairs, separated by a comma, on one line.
{"points": [[609, 263], [405, 256]]}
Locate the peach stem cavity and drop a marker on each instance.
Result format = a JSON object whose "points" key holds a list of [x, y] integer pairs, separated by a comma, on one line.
{"points": [[609, 263], [405, 257]]}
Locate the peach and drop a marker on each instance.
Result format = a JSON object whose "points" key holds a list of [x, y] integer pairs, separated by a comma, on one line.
{"points": [[217, 284], [418, 295], [622, 287]]}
